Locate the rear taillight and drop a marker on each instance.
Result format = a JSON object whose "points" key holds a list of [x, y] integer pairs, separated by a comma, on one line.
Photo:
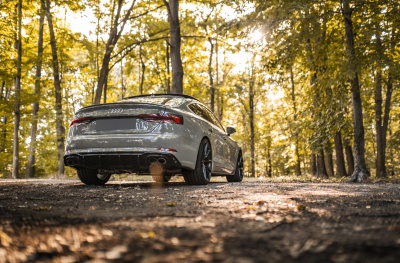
{"points": [[83, 120], [167, 118], [172, 118]]}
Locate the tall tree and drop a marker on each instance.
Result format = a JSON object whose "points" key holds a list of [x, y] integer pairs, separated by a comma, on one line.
{"points": [[30, 170], [17, 85], [340, 163], [384, 52], [361, 172], [252, 121], [175, 46], [60, 130], [295, 117]]}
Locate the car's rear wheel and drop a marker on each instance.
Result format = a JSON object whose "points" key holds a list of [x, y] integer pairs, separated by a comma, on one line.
{"points": [[201, 174], [92, 177], [239, 171]]}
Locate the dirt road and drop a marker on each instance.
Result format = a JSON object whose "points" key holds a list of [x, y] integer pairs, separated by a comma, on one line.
{"points": [[139, 221]]}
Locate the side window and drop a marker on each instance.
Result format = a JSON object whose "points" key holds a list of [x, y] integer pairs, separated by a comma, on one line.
{"points": [[206, 114], [197, 110], [213, 119]]}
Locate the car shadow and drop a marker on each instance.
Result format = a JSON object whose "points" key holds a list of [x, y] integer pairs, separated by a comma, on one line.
{"points": [[145, 185]]}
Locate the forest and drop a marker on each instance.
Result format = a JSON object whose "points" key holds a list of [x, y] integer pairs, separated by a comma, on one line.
{"points": [[312, 87]]}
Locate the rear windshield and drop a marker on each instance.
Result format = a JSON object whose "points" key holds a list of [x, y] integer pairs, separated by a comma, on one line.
{"points": [[167, 101]]}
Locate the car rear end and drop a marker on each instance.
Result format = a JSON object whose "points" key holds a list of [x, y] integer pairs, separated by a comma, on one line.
{"points": [[125, 137]]}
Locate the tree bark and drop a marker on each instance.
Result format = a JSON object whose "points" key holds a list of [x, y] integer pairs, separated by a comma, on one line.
{"points": [[329, 163], [142, 70], [340, 163], [382, 122], [252, 128], [296, 134], [320, 159], [313, 163], [167, 66], [175, 44], [380, 150], [349, 157], [4, 95], [361, 172], [17, 85], [321, 169], [60, 130], [210, 76], [30, 169], [380, 161], [269, 160]]}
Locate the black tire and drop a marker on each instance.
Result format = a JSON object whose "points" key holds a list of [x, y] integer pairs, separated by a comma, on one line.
{"points": [[239, 171], [201, 174], [92, 177], [161, 178]]}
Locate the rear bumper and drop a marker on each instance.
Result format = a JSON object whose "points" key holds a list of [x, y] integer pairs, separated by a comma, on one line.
{"points": [[122, 162]]}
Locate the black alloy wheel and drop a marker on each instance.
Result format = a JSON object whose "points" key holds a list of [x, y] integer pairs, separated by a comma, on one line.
{"points": [[201, 174], [239, 171]]}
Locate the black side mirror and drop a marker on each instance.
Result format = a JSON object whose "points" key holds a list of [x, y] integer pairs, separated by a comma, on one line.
{"points": [[230, 130]]}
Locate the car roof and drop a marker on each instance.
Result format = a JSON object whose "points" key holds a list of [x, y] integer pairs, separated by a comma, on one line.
{"points": [[160, 95]]}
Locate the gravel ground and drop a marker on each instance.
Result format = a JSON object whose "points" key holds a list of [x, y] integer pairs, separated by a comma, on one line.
{"points": [[253, 221]]}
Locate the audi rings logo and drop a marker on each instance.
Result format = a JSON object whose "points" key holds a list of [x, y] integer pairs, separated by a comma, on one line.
{"points": [[117, 110]]}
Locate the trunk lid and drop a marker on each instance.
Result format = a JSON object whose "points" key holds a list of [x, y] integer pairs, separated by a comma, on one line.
{"points": [[117, 118]]}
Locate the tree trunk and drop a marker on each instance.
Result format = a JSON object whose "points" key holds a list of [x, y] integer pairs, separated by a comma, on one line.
{"points": [[296, 134], [123, 87], [210, 76], [380, 161], [60, 130], [17, 85], [321, 169], [252, 130], [30, 169], [329, 163], [361, 172], [313, 163], [340, 163], [3, 119], [4, 95], [320, 159], [168, 67], [175, 44], [382, 122], [142, 70], [349, 157], [269, 160], [385, 125], [380, 151]]}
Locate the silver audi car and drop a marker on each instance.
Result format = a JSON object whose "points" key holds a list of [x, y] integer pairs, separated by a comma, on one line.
{"points": [[162, 135]]}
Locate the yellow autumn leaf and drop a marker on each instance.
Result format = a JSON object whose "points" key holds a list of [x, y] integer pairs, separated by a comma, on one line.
{"points": [[146, 235], [5, 240]]}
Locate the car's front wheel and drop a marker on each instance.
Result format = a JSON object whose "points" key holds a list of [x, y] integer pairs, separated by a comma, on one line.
{"points": [[201, 174], [239, 171], [92, 177]]}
